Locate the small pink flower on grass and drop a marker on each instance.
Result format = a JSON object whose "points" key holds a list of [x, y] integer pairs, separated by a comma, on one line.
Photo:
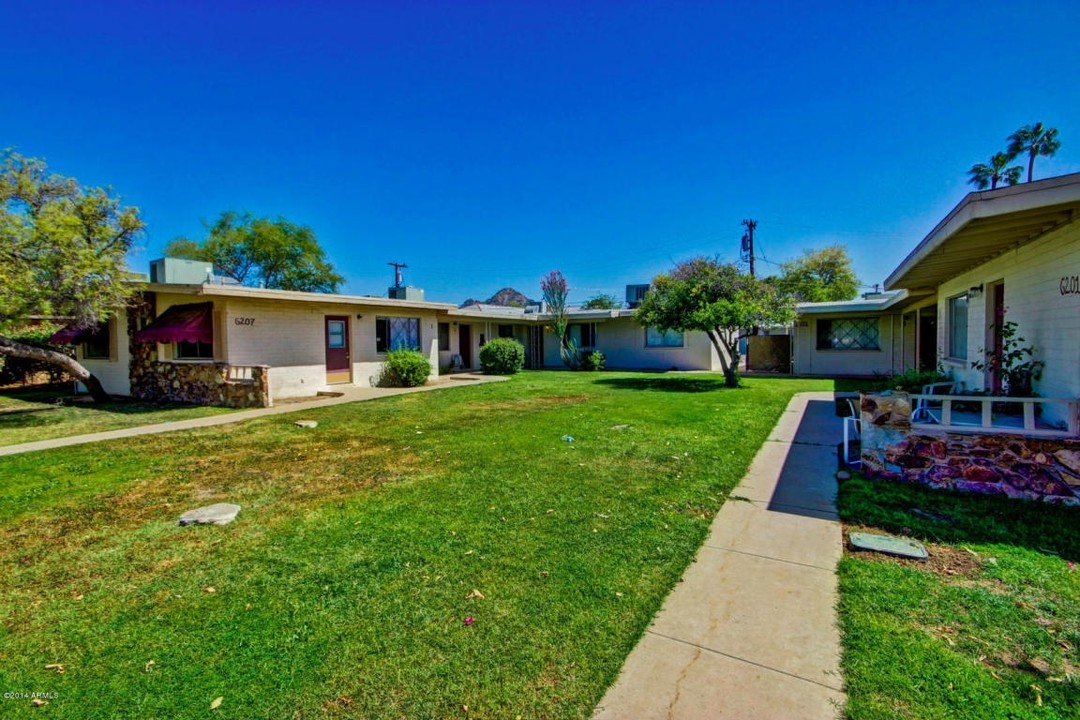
{"points": [[469, 620], [1072, 565]]}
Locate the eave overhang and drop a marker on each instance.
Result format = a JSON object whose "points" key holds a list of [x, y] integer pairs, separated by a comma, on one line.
{"points": [[985, 225]]}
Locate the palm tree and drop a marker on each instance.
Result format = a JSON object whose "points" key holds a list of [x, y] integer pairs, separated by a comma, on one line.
{"points": [[1033, 140], [983, 175]]}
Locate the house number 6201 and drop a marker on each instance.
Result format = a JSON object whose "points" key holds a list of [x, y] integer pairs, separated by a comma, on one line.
{"points": [[244, 321]]}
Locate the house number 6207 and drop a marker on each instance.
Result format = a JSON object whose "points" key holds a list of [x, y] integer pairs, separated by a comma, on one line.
{"points": [[244, 321]]}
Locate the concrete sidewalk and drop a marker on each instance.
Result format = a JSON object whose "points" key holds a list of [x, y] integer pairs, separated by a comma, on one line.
{"points": [[750, 632], [349, 394]]}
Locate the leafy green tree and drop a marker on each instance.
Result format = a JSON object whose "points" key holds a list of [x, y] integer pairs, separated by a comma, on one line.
{"points": [[602, 301], [985, 175], [823, 275], [555, 292], [62, 255], [262, 252], [1034, 140], [717, 299]]}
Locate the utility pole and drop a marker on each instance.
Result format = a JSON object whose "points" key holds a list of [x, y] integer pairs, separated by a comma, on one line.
{"points": [[748, 242], [397, 272]]}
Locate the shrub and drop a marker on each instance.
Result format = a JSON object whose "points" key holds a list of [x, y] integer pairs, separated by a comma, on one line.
{"points": [[593, 360], [911, 380], [502, 356], [405, 368]]}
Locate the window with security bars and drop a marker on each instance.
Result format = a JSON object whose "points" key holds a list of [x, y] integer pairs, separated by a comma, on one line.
{"points": [[848, 334], [394, 333]]}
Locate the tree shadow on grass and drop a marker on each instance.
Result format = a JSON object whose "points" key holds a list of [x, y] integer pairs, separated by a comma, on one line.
{"points": [[941, 516], [23, 419], [24, 410], [50, 399], [665, 384]]}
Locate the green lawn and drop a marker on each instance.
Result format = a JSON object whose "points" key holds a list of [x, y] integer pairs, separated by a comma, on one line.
{"points": [[988, 628], [29, 415], [344, 587]]}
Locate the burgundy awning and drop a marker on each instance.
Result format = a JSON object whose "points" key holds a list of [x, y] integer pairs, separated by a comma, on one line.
{"points": [[181, 323], [72, 336]]}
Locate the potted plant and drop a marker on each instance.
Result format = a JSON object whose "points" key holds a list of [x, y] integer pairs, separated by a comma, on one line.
{"points": [[1015, 364]]}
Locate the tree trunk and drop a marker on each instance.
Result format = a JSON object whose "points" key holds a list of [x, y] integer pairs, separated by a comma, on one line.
{"points": [[1031, 164], [731, 375], [729, 357], [73, 368]]}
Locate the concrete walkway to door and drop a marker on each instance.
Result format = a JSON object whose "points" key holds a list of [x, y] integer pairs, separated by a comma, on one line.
{"points": [[750, 632]]}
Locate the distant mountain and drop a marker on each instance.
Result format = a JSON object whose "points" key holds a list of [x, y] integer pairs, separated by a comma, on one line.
{"points": [[507, 297]]}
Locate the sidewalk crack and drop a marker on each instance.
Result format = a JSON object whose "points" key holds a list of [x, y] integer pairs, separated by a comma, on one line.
{"points": [[748, 662]]}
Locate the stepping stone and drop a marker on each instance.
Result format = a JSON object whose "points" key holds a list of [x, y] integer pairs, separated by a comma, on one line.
{"points": [[306, 423], [889, 545], [218, 514]]}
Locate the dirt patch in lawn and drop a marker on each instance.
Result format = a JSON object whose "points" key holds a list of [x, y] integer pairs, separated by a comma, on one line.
{"points": [[944, 560]]}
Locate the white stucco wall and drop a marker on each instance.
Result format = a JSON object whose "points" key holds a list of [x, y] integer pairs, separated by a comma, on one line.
{"points": [[622, 341], [1048, 319], [829, 363]]}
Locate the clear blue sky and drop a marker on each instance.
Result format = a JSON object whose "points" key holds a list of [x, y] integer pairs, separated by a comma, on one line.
{"points": [[485, 143]]}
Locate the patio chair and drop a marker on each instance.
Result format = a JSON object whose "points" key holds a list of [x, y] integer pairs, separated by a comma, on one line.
{"points": [[852, 431], [927, 410]]}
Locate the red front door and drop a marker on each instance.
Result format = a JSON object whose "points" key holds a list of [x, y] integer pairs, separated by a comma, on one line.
{"points": [[338, 365]]}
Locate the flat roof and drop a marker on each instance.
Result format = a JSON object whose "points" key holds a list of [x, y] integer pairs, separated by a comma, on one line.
{"points": [[497, 312], [482, 310], [891, 301], [986, 224], [240, 291]]}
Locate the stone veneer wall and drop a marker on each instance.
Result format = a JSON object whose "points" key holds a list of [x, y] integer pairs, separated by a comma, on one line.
{"points": [[197, 383], [200, 384], [990, 464]]}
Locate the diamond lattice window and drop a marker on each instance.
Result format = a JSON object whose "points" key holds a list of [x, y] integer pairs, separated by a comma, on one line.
{"points": [[396, 333], [848, 334]]}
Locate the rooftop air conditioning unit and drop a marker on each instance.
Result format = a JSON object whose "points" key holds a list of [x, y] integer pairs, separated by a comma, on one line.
{"points": [[635, 294], [181, 272]]}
